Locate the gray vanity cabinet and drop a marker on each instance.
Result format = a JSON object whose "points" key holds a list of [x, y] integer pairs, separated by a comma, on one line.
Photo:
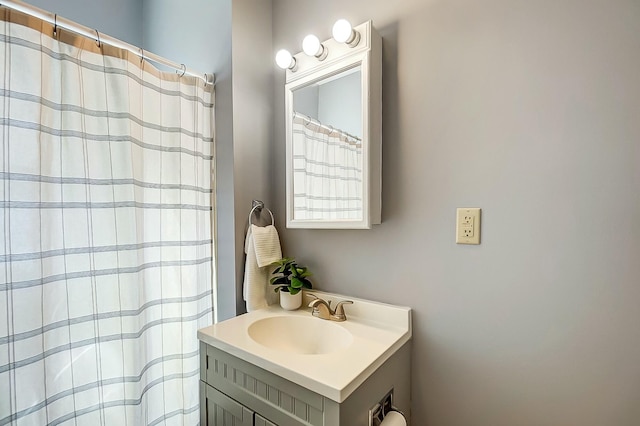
{"points": [[219, 409], [234, 392], [274, 400], [261, 421]]}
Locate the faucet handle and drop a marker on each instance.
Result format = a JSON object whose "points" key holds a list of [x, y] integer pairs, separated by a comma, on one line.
{"points": [[314, 297], [339, 312], [315, 302], [318, 301]]}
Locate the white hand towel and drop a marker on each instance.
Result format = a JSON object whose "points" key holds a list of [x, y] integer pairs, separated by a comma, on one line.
{"points": [[255, 278], [262, 246], [267, 244]]}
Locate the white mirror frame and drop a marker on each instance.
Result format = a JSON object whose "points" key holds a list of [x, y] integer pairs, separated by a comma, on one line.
{"points": [[368, 54]]}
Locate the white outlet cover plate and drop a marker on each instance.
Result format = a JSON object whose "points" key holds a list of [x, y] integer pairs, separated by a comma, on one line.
{"points": [[468, 225]]}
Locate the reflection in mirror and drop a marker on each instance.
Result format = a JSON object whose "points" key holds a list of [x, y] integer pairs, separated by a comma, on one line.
{"points": [[327, 148], [334, 101]]}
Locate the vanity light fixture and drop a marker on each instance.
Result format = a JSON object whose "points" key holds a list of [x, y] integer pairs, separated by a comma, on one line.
{"points": [[343, 32], [311, 46], [285, 60]]}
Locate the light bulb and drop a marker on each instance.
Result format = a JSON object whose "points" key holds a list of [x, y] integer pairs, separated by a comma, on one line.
{"points": [[342, 30], [312, 47], [285, 60], [344, 33]]}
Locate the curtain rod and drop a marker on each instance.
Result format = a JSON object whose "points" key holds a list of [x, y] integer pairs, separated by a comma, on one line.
{"points": [[61, 22], [328, 129]]}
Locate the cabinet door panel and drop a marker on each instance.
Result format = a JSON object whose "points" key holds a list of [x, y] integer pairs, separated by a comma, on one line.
{"points": [[224, 411], [261, 421], [283, 402]]}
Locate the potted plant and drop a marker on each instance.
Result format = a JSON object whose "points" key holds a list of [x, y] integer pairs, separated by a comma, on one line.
{"points": [[290, 278]]}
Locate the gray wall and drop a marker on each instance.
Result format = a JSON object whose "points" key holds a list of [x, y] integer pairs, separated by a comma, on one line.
{"points": [[530, 110], [194, 32], [252, 120], [118, 18]]}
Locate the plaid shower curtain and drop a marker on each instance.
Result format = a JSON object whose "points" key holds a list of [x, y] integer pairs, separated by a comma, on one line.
{"points": [[106, 254]]}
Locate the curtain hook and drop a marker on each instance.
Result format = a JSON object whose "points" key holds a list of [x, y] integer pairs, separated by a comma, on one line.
{"points": [[141, 55], [183, 67], [98, 39], [55, 25]]}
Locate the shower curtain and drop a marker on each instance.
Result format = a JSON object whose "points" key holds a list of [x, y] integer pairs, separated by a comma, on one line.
{"points": [[327, 172], [106, 254]]}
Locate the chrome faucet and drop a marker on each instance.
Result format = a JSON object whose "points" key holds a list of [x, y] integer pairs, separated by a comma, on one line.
{"points": [[322, 309]]}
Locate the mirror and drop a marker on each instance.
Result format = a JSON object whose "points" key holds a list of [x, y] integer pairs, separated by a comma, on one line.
{"points": [[335, 102], [327, 149], [333, 127]]}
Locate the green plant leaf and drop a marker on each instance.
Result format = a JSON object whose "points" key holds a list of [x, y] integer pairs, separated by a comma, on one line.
{"points": [[282, 262], [279, 280], [306, 283], [289, 276], [292, 271]]}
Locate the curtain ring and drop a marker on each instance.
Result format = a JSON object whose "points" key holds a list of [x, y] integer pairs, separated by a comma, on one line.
{"points": [[55, 25], [183, 67], [98, 39]]}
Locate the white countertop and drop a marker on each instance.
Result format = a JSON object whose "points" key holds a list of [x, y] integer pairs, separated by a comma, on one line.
{"points": [[378, 331]]}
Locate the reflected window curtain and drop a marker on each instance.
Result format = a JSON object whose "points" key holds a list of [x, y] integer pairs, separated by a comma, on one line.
{"points": [[106, 261], [327, 172]]}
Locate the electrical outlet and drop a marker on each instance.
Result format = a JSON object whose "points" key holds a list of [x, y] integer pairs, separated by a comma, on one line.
{"points": [[468, 225]]}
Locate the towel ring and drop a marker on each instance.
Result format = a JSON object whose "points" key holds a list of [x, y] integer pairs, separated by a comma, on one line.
{"points": [[254, 208]]}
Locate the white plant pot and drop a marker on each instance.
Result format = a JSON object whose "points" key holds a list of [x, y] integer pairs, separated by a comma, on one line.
{"points": [[290, 302]]}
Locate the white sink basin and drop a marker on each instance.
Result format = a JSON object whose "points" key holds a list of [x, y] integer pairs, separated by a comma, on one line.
{"points": [[300, 335], [327, 357]]}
